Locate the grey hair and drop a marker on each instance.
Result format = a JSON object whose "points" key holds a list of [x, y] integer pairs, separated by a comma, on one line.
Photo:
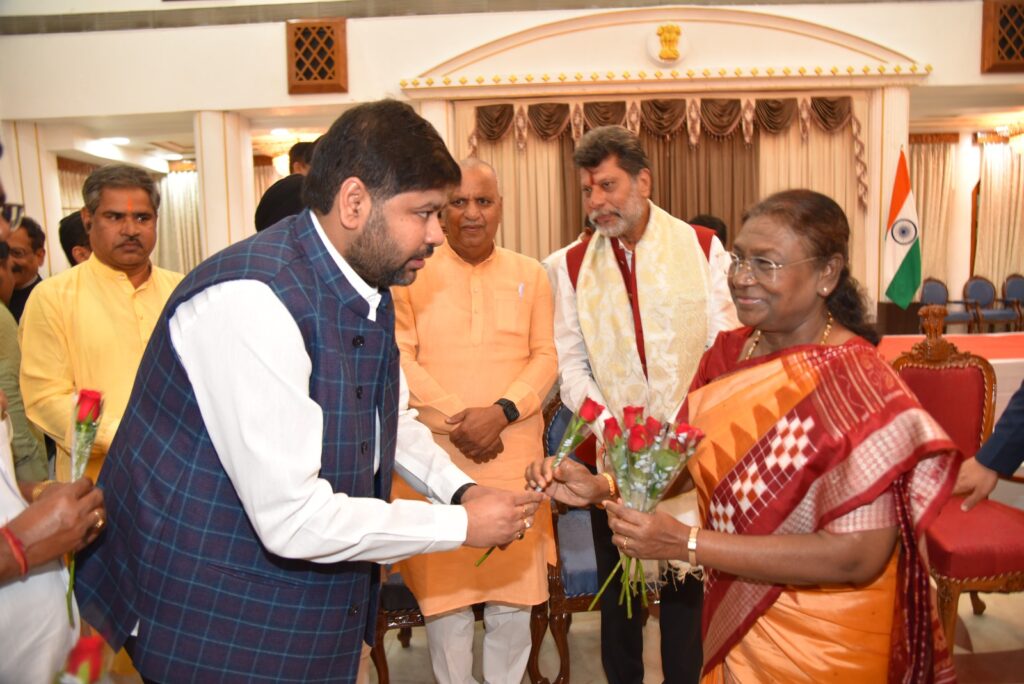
{"points": [[118, 176], [600, 143]]}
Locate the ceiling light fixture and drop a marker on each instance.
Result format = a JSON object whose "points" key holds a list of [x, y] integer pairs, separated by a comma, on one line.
{"points": [[280, 132], [114, 141]]}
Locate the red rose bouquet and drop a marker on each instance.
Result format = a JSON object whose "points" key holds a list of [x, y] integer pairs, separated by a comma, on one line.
{"points": [[645, 460], [88, 407]]}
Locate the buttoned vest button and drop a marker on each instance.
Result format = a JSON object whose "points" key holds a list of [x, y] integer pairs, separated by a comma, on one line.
{"points": [[353, 610], [364, 447], [359, 392], [358, 341]]}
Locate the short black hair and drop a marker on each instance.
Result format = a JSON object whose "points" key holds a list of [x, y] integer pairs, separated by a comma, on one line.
{"points": [[36, 236], [72, 234], [282, 199], [598, 144], [300, 152], [386, 145]]}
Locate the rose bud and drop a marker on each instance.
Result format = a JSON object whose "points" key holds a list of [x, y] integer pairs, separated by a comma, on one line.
{"points": [[653, 427], [612, 431], [590, 410], [631, 415], [89, 405], [637, 438]]}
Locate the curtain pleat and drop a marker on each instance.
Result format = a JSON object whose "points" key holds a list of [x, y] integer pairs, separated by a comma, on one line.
{"points": [[179, 245], [597, 114], [831, 113], [1000, 244], [663, 118], [548, 120], [933, 179], [775, 116], [720, 118], [494, 121]]}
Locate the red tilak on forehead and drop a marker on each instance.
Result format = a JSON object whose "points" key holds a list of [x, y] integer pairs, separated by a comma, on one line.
{"points": [[130, 206]]}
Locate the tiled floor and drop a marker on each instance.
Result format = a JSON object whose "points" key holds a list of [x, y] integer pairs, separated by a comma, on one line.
{"points": [[989, 648]]}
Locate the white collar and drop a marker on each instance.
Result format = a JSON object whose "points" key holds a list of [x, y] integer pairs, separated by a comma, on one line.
{"points": [[368, 292]]}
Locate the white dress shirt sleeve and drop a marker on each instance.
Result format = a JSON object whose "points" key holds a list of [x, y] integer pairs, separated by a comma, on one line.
{"points": [[575, 375], [248, 366], [721, 310]]}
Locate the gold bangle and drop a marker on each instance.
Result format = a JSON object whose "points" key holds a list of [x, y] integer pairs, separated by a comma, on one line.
{"points": [[37, 491], [691, 547], [612, 489]]}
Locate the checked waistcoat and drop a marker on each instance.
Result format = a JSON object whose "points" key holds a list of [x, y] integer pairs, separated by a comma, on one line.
{"points": [[179, 555]]}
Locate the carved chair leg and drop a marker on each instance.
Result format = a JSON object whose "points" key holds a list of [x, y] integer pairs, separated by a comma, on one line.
{"points": [[558, 623], [405, 636], [378, 656], [977, 605], [538, 626], [947, 596]]}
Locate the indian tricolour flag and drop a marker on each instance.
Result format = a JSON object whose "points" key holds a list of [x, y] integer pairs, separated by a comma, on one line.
{"points": [[901, 256]]}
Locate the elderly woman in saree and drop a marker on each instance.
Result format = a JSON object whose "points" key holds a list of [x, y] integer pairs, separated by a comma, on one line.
{"points": [[817, 477]]}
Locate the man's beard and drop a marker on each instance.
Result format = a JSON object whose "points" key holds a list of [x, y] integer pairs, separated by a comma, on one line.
{"points": [[628, 216], [377, 259]]}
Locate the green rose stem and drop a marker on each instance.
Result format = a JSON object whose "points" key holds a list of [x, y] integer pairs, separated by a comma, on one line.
{"points": [[88, 406]]}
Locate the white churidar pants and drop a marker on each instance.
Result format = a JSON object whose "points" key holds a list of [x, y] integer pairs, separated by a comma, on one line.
{"points": [[506, 644]]}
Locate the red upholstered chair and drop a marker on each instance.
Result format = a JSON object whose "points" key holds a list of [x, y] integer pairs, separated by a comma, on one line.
{"points": [[982, 550]]}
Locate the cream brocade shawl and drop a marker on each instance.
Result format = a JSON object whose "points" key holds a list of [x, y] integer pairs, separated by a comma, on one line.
{"points": [[673, 281]]}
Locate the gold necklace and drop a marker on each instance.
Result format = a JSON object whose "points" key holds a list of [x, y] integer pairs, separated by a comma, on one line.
{"points": [[824, 336]]}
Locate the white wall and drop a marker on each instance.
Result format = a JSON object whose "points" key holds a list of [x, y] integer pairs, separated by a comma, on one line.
{"points": [[242, 66]]}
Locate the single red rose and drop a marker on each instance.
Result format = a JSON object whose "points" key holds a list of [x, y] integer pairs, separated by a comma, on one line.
{"points": [[637, 438], [612, 431], [591, 410], [676, 446], [653, 428], [631, 415], [88, 652], [89, 402]]}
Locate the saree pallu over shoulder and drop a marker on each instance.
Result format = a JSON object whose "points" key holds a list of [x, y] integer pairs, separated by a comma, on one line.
{"points": [[803, 440]]}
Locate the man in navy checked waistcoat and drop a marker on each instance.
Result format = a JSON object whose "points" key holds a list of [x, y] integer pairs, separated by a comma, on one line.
{"points": [[247, 486]]}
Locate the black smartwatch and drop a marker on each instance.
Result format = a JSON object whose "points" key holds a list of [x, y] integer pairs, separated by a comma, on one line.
{"points": [[460, 492], [509, 409]]}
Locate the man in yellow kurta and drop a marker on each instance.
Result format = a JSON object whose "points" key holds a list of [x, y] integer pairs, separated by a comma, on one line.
{"points": [[86, 328], [475, 332]]}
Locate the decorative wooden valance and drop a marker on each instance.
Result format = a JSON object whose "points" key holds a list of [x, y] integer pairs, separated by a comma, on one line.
{"points": [[719, 118], [934, 138]]}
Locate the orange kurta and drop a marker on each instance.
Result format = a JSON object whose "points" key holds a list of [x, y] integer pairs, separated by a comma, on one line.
{"points": [[470, 335]]}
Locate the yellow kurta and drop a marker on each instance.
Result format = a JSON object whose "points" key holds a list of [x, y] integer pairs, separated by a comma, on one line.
{"points": [[86, 328], [470, 335]]}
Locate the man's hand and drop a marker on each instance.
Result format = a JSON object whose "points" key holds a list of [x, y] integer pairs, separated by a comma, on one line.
{"points": [[975, 481], [476, 432], [571, 483], [497, 517], [66, 517]]}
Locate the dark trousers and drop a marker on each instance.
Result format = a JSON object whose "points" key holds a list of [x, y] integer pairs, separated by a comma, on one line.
{"points": [[622, 641]]}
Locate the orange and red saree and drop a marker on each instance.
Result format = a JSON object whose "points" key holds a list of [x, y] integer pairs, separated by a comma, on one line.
{"points": [[819, 438]]}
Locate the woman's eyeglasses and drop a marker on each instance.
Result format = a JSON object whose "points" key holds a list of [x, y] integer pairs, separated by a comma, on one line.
{"points": [[762, 268]]}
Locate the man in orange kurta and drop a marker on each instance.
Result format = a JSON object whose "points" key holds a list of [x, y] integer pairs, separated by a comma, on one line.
{"points": [[475, 332]]}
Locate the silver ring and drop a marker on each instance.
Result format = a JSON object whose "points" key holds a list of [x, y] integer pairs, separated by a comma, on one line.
{"points": [[625, 543], [528, 523]]}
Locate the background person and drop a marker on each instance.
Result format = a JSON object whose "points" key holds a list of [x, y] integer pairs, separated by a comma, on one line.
{"points": [[74, 238], [477, 348], [88, 327], [41, 522], [28, 253]]}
